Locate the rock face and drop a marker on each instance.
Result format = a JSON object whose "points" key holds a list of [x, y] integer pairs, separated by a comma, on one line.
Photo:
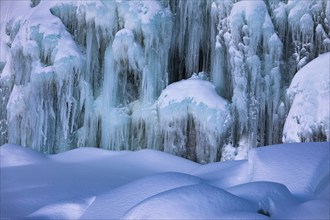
{"points": [[92, 73]]}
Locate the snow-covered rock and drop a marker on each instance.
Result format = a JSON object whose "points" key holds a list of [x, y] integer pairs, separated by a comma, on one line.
{"points": [[194, 119], [309, 95]]}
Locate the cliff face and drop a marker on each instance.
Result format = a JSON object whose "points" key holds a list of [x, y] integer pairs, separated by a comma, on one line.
{"points": [[95, 73]]}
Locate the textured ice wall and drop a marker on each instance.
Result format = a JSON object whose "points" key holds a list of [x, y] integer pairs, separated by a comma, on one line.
{"points": [[90, 73], [81, 66], [258, 49]]}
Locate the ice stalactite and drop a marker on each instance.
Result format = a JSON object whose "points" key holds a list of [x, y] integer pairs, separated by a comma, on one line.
{"points": [[135, 74], [303, 28], [306, 36], [190, 46], [252, 51], [9, 26], [220, 76], [93, 25]]}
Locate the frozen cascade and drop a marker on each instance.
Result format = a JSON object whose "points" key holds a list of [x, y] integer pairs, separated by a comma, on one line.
{"points": [[97, 73], [42, 107], [190, 46], [308, 27], [135, 75], [251, 51]]}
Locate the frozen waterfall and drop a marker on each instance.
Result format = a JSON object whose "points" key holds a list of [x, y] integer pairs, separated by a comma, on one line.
{"points": [[205, 80]]}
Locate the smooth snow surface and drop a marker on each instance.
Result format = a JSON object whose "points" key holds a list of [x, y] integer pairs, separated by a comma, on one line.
{"points": [[289, 181]]}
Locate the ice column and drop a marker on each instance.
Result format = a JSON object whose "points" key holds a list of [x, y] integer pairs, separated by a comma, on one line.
{"points": [[251, 51]]}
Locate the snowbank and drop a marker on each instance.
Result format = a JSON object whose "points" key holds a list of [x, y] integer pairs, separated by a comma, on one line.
{"points": [[14, 155], [199, 201], [126, 197], [300, 172], [289, 181]]}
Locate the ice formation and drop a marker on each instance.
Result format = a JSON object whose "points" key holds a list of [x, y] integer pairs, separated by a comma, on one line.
{"points": [[91, 73]]}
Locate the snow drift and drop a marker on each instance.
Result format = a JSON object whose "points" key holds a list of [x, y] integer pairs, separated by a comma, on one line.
{"points": [[90, 73], [289, 181]]}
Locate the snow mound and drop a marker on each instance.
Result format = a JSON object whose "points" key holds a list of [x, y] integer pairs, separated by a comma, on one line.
{"points": [[200, 122], [289, 181], [309, 94], [115, 203], [272, 197], [14, 155], [190, 202], [313, 209], [65, 210], [232, 173], [193, 91], [300, 167]]}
